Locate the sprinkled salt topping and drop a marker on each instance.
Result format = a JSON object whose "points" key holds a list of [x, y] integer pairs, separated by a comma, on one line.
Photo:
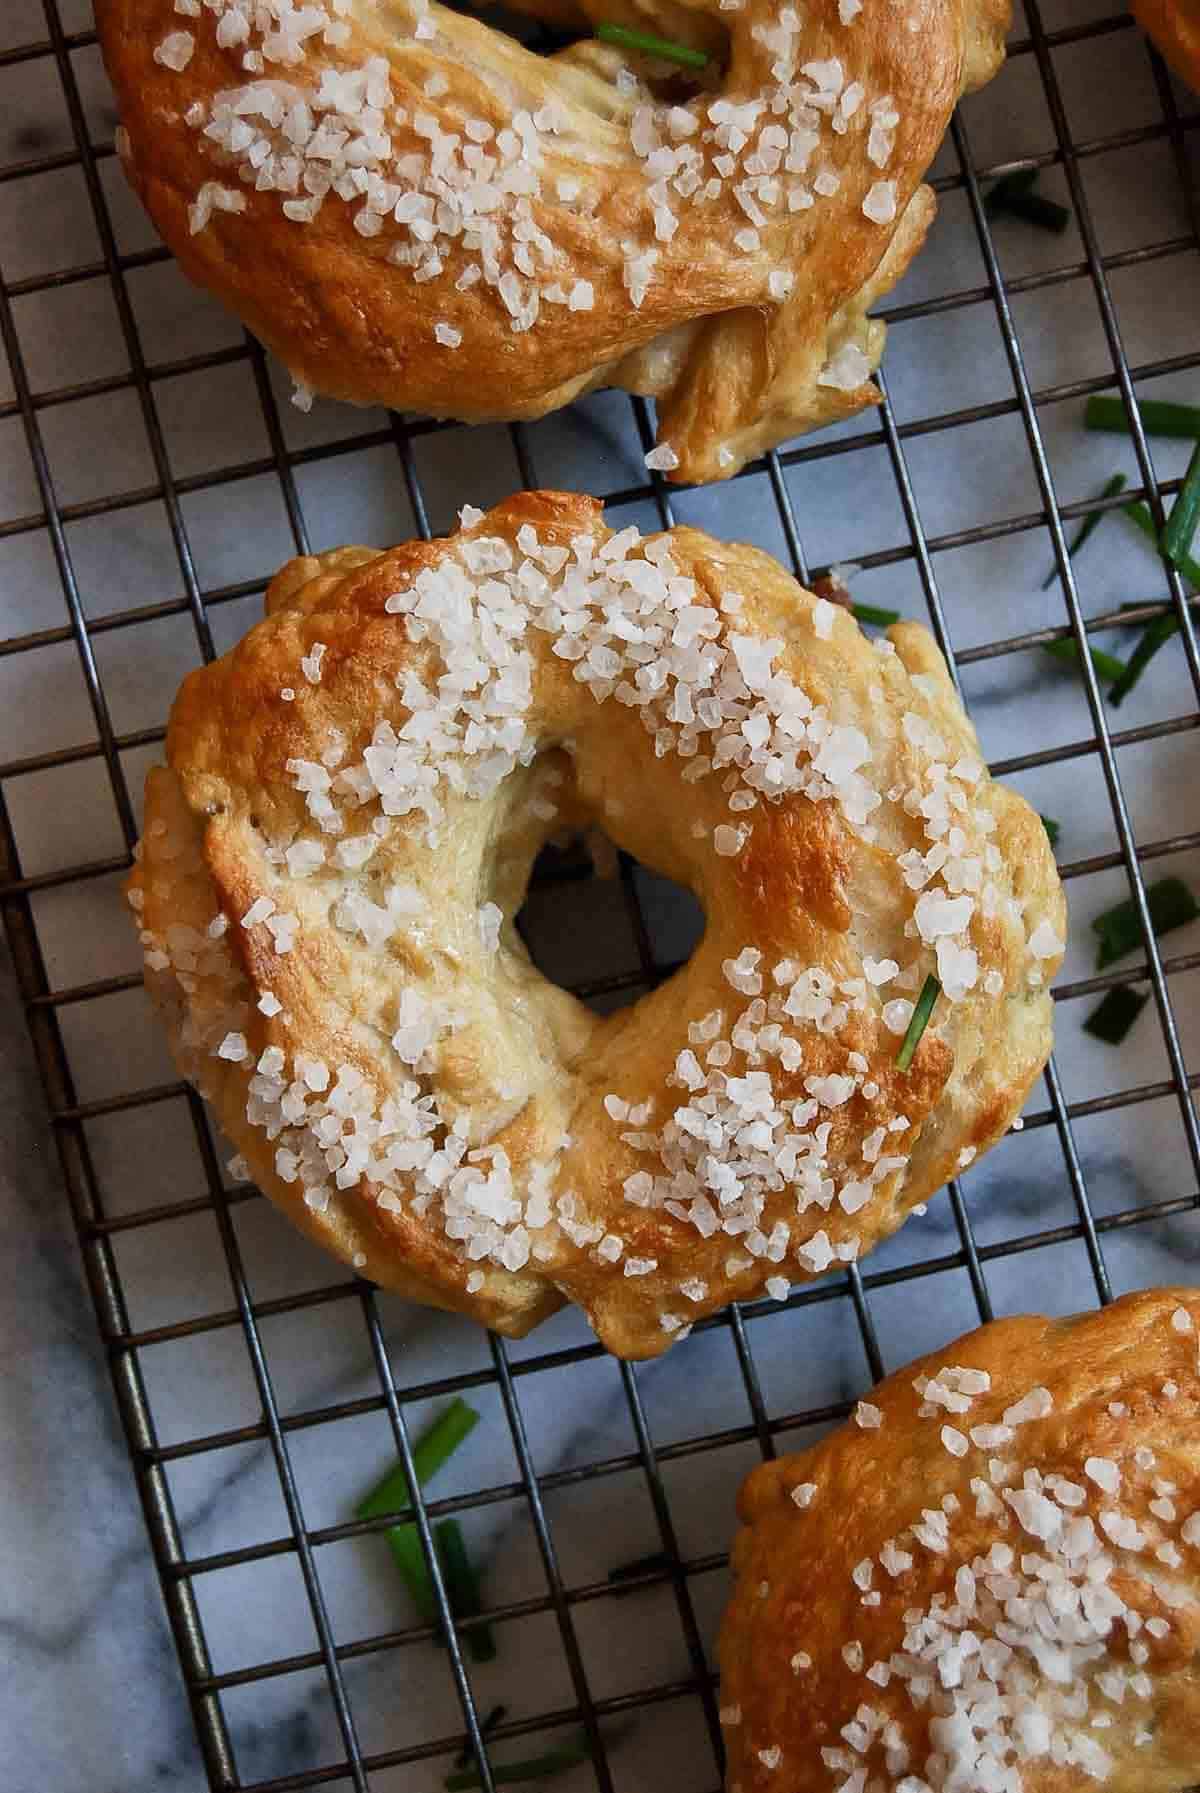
{"points": [[1007, 1669], [880, 202], [1104, 1472], [447, 335], [491, 918], [175, 50], [1181, 1320], [1044, 943], [847, 369], [771, 1758], [868, 1417], [1037, 1404], [803, 1494], [823, 618], [662, 459]]}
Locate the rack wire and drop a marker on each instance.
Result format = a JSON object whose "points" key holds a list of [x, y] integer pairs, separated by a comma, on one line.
{"points": [[100, 1227]]}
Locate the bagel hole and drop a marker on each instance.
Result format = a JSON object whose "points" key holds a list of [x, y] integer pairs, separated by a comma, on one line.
{"points": [[598, 923], [559, 24]]}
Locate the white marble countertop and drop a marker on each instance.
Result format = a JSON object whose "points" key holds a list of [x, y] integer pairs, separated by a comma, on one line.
{"points": [[91, 1699]]}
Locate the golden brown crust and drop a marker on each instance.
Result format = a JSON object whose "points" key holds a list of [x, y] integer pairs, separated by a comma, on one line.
{"points": [[1122, 1431], [1175, 27], [736, 365], [371, 923]]}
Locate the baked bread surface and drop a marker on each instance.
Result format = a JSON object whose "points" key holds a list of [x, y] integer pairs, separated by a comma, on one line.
{"points": [[1175, 27], [989, 1579], [412, 209], [327, 911]]}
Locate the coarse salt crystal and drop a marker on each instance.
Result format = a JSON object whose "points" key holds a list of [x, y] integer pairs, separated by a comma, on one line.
{"points": [[175, 50], [803, 1494], [662, 459], [879, 204], [447, 335], [1044, 943], [823, 618], [846, 369], [1104, 1472], [1181, 1320], [1037, 1404], [868, 1417]]}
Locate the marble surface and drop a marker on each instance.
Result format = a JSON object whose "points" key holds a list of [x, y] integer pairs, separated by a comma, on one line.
{"points": [[91, 1700]]}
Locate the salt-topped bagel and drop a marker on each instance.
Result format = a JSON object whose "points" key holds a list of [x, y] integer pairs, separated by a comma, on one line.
{"points": [[413, 209], [988, 1581], [341, 837], [1175, 27]]}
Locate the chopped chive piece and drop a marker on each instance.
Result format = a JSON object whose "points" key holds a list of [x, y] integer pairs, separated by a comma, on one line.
{"points": [[537, 1768], [1053, 829], [1015, 196], [496, 1716], [1115, 1015], [1141, 518], [875, 613], [462, 1587], [1171, 905], [1155, 634], [930, 991], [438, 1442], [1116, 484], [655, 1563], [1159, 417], [1009, 186], [1185, 514], [404, 1542], [626, 39], [1108, 667]]}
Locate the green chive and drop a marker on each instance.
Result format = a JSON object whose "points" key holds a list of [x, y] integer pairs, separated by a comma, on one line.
{"points": [[1009, 186], [1116, 484], [1171, 905], [438, 1442], [496, 1716], [1108, 667], [537, 1768], [874, 613], [462, 1587], [1153, 637], [1116, 1014], [1159, 417], [626, 39], [1053, 829], [930, 991], [1185, 514], [404, 1542], [1015, 196], [657, 1563], [1141, 518]]}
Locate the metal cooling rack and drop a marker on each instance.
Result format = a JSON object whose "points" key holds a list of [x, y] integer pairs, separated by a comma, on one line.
{"points": [[100, 1227]]}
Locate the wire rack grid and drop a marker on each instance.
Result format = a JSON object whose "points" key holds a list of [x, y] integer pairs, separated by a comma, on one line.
{"points": [[53, 48]]}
